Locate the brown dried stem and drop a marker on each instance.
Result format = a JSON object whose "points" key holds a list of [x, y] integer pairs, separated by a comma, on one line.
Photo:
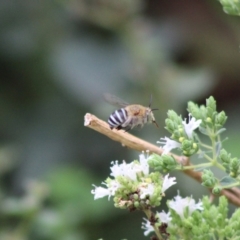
{"points": [[130, 141]]}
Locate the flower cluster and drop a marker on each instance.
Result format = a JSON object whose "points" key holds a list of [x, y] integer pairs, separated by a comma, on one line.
{"points": [[182, 134], [231, 165], [205, 118], [133, 186], [183, 207], [161, 217]]}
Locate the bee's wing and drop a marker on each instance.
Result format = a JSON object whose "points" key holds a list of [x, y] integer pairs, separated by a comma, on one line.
{"points": [[115, 100]]}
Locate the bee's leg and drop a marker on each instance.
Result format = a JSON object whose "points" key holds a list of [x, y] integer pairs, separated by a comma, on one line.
{"points": [[127, 125], [119, 127], [127, 128], [139, 126]]}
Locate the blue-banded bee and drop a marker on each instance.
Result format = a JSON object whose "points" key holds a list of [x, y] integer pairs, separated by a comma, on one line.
{"points": [[129, 116]]}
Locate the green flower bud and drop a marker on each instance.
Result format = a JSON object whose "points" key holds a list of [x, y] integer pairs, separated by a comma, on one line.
{"points": [[181, 139], [217, 190], [234, 167], [208, 178], [176, 120], [224, 156], [187, 223], [194, 110], [135, 196], [221, 118], [163, 163], [170, 126], [180, 129], [208, 120], [136, 204], [189, 147], [203, 110], [186, 144], [176, 135], [233, 174], [154, 160], [211, 106], [226, 159], [195, 146], [168, 163], [235, 164]]}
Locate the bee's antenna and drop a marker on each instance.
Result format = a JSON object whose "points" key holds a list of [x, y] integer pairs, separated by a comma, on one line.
{"points": [[154, 109], [150, 101], [156, 124]]}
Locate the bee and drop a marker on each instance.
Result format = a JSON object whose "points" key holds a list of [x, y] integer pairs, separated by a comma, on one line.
{"points": [[130, 115]]}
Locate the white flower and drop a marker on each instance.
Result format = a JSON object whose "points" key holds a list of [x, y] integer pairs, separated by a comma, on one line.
{"points": [[130, 169], [123, 169], [164, 217], [191, 125], [179, 204], [147, 227], [168, 144], [146, 190], [168, 182], [100, 192], [144, 164]]}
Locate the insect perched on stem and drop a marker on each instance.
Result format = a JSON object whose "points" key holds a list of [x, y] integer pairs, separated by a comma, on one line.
{"points": [[130, 115]]}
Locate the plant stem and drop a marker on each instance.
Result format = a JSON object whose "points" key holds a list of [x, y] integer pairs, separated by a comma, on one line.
{"points": [[149, 213]]}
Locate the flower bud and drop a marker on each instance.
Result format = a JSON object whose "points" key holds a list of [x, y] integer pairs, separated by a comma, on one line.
{"points": [[194, 110], [170, 126], [221, 118], [208, 179], [211, 106], [136, 204], [224, 156], [208, 120], [234, 167], [217, 190], [189, 147], [163, 163], [174, 117]]}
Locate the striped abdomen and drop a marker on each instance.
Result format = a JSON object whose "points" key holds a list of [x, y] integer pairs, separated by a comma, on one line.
{"points": [[117, 118]]}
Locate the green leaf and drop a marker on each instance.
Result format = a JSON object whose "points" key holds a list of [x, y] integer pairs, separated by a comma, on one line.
{"points": [[220, 131], [203, 130], [227, 180]]}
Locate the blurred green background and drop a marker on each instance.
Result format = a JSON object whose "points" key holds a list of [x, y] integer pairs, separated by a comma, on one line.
{"points": [[58, 58]]}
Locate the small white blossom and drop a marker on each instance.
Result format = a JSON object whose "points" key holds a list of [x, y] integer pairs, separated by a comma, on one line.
{"points": [[179, 204], [146, 190], [168, 182], [164, 217], [168, 144], [147, 227], [100, 192], [130, 169], [191, 125], [123, 169], [144, 164]]}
